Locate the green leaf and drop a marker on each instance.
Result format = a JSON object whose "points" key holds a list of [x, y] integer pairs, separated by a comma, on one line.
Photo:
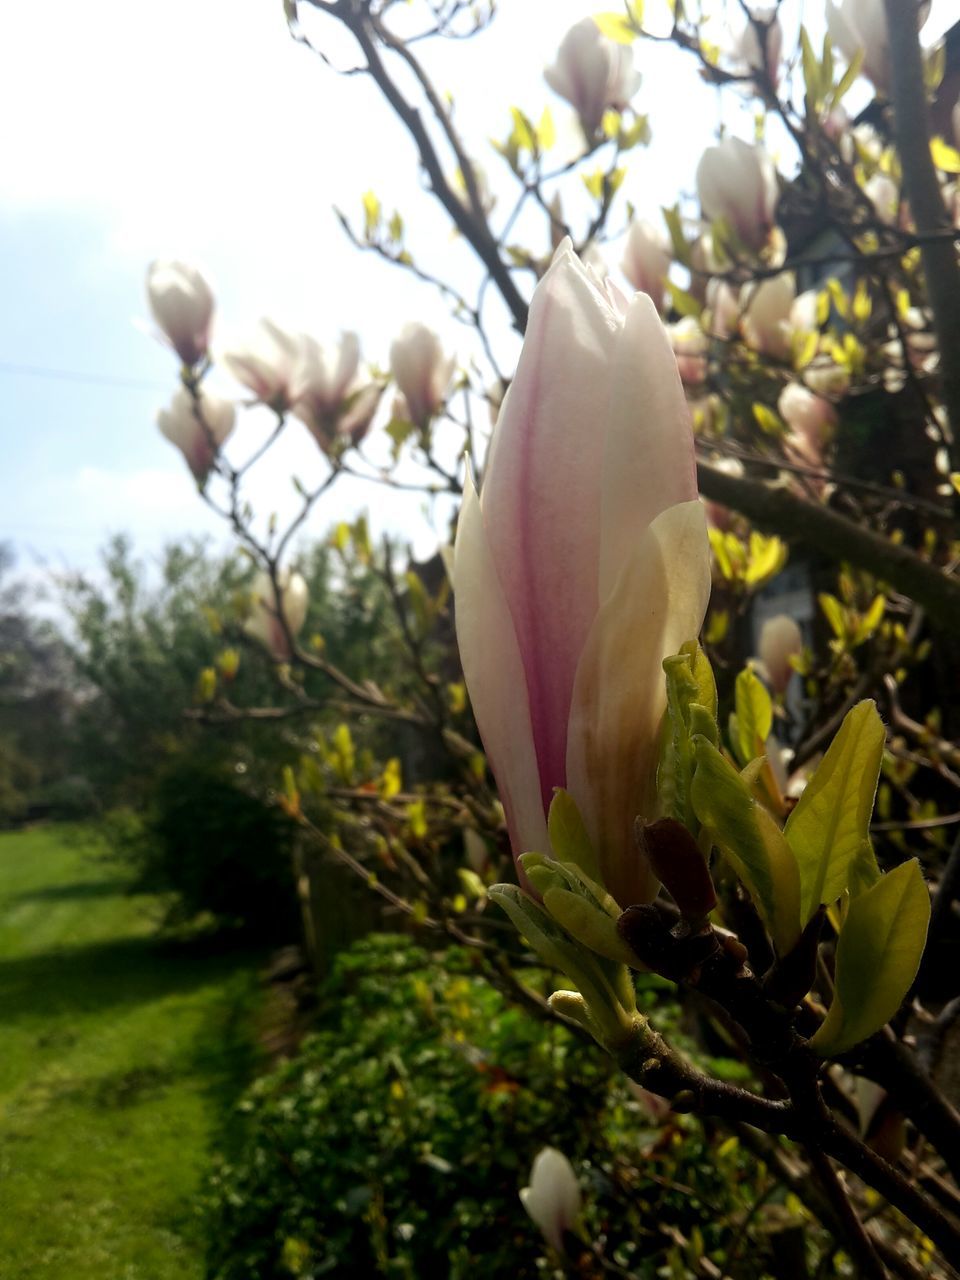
{"points": [[685, 303], [691, 709], [831, 823], [834, 613], [754, 716], [878, 955], [568, 836], [811, 69], [848, 77], [751, 842], [681, 249]]}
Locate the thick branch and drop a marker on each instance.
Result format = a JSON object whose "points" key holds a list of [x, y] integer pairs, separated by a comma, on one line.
{"points": [[775, 508], [922, 190]]}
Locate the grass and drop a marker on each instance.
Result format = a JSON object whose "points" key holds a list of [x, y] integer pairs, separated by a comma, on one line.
{"points": [[120, 1056]]}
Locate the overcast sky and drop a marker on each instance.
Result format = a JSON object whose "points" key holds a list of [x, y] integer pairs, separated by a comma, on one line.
{"points": [[199, 129]]}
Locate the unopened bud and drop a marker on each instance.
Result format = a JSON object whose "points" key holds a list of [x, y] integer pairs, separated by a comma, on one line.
{"points": [[678, 862]]}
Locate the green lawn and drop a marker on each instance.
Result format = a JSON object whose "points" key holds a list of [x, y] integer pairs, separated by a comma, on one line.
{"points": [[120, 1056]]}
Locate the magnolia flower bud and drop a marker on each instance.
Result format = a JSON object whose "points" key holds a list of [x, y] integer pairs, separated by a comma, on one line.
{"points": [[857, 26], [884, 194], [780, 640], [724, 309], [328, 396], [808, 415], [268, 364], [747, 51], [273, 625], [690, 346], [553, 1197], [583, 564], [421, 370], [198, 428], [738, 183], [181, 302], [646, 260], [593, 73], [766, 315]]}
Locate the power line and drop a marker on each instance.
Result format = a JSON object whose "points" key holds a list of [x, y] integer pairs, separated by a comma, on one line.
{"points": [[70, 375]]}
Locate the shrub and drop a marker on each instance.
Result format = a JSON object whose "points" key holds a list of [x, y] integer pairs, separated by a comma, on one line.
{"points": [[396, 1142], [217, 848]]}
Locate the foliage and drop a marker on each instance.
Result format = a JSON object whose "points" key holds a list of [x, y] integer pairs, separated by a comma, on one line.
{"points": [[220, 850], [396, 1141]]}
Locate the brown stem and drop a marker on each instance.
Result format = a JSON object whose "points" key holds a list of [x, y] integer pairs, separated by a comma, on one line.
{"points": [[861, 1246], [836, 536], [922, 190]]}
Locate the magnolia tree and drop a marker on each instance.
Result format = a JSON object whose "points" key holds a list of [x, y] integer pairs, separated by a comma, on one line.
{"points": [[688, 781]]}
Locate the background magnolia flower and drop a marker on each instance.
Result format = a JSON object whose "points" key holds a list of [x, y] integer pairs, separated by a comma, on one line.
{"points": [[646, 259], [723, 306], [780, 640], [181, 302], [328, 395], [747, 51], [593, 73], [267, 365], [421, 371], [861, 25], [807, 415], [690, 346], [737, 182], [553, 1197], [197, 429], [581, 566], [766, 309], [264, 623], [884, 194]]}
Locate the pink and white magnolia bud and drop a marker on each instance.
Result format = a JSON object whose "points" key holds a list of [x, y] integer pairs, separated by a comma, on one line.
{"points": [[737, 182], [268, 364], [724, 309], [553, 1197], [421, 370], [690, 346], [807, 415], [747, 51], [766, 311], [593, 73], [884, 194], [780, 640], [646, 260], [181, 302], [857, 26], [274, 625], [581, 566], [198, 428], [328, 395]]}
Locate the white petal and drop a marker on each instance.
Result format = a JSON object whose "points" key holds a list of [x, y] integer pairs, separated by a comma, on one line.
{"points": [[494, 675], [620, 692]]}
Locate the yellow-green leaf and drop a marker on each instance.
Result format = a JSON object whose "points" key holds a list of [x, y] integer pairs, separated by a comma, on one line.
{"points": [[616, 26], [754, 717], [945, 157], [831, 823], [568, 836], [751, 842], [878, 955]]}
